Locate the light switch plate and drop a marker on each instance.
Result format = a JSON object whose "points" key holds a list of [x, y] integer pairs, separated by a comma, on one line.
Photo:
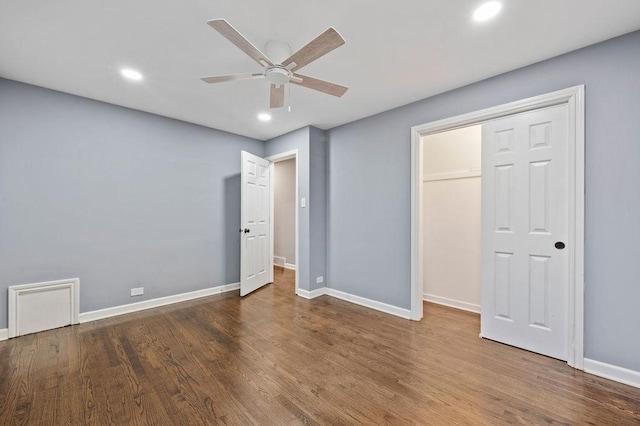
{"points": [[303, 202]]}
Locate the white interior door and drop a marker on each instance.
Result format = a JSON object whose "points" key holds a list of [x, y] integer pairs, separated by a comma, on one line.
{"points": [[254, 222], [524, 229]]}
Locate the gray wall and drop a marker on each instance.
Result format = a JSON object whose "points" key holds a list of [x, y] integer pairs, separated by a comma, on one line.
{"points": [[369, 189], [318, 206], [115, 197], [284, 210]]}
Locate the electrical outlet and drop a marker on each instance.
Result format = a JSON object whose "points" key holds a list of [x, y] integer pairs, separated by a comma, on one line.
{"points": [[138, 291], [319, 279]]}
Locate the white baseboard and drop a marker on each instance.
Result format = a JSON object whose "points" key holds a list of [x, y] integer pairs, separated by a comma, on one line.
{"points": [[362, 301], [154, 303], [4, 334], [451, 303], [612, 372], [290, 266], [312, 294], [378, 306]]}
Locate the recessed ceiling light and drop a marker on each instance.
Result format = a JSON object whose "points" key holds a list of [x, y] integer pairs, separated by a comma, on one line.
{"points": [[487, 11], [131, 74], [264, 117]]}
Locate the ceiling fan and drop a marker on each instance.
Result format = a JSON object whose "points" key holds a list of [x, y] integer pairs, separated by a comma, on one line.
{"points": [[280, 74]]}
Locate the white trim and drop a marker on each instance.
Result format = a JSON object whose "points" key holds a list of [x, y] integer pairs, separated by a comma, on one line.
{"points": [[417, 244], [372, 304], [154, 303], [362, 301], [4, 334], [612, 372], [16, 290], [470, 307], [284, 264], [312, 294], [287, 155], [283, 156], [462, 174], [576, 233], [574, 98]]}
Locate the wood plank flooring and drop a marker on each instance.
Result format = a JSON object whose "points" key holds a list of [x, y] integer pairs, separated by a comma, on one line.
{"points": [[274, 358]]}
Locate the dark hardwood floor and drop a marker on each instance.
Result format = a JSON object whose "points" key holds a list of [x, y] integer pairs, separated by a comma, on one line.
{"points": [[274, 358]]}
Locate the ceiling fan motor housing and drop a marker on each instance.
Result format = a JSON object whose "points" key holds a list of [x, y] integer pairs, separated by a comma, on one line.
{"points": [[277, 75]]}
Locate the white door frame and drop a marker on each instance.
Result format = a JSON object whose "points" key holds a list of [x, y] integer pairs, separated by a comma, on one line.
{"points": [[276, 158], [574, 98]]}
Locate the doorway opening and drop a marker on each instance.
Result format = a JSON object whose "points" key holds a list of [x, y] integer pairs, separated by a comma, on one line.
{"points": [[501, 191], [284, 217], [451, 213], [284, 208]]}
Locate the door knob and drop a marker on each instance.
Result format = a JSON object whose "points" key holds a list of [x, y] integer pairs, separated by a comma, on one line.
{"points": [[245, 230], [559, 245]]}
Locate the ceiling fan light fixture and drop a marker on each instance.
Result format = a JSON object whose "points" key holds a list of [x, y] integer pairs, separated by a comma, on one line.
{"points": [[277, 75], [487, 11], [263, 116]]}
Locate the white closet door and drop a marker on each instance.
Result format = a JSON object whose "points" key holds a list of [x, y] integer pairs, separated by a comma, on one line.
{"points": [[524, 229]]}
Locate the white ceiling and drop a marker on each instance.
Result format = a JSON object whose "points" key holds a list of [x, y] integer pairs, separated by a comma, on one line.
{"points": [[396, 51]]}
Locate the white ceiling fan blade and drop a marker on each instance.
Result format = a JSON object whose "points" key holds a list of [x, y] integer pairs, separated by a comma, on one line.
{"points": [[318, 47], [276, 98], [319, 85], [231, 34], [231, 77]]}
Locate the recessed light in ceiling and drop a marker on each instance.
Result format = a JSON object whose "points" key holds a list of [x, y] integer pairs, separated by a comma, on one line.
{"points": [[131, 74], [264, 117], [487, 11]]}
